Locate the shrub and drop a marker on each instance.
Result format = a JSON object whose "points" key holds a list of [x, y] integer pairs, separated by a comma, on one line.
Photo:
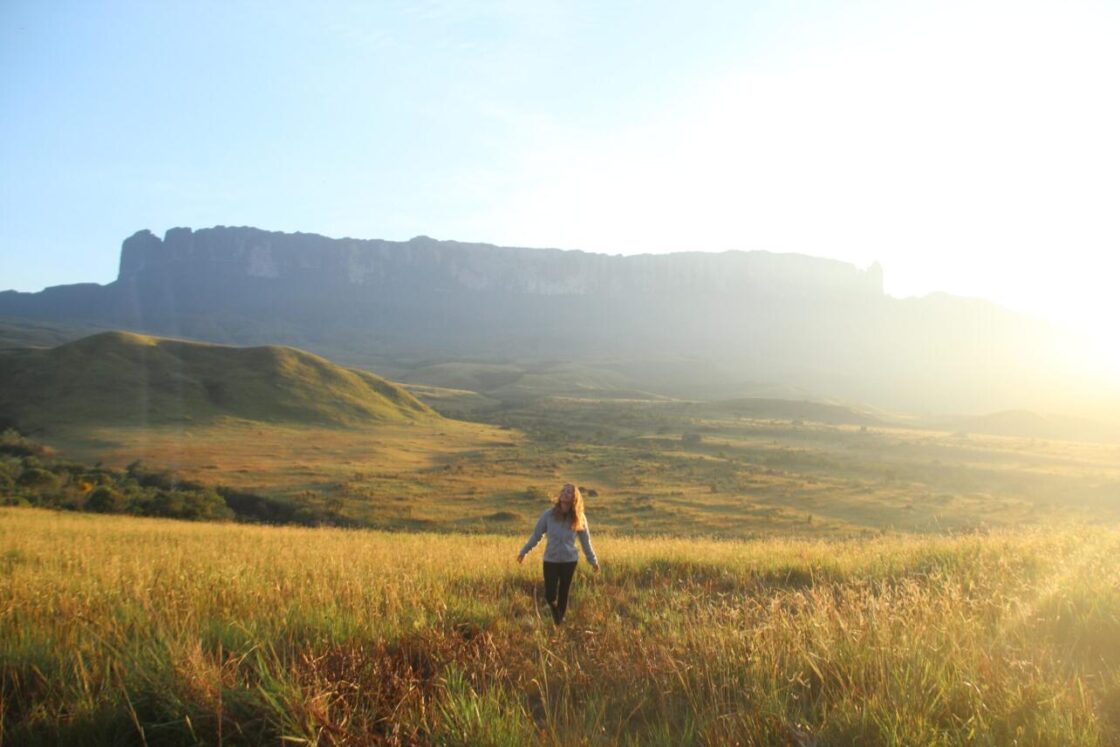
{"points": [[37, 477], [7, 478], [184, 504], [252, 507], [161, 479], [14, 443], [536, 495], [106, 500]]}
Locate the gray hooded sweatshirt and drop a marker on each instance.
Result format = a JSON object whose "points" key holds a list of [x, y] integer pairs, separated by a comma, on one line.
{"points": [[561, 547]]}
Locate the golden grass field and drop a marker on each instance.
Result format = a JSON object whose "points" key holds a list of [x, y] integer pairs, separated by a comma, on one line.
{"points": [[392, 471], [120, 630], [766, 580]]}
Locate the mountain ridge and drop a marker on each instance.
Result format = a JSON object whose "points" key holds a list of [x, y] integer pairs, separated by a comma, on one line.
{"points": [[477, 266], [685, 324]]}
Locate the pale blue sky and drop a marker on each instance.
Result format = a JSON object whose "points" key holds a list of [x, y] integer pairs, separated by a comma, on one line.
{"points": [[968, 146]]}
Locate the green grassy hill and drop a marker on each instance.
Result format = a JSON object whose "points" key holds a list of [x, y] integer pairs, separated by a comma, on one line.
{"points": [[118, 378]]}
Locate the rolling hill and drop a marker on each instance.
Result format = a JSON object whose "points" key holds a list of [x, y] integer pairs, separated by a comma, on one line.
{"points": [[119, 378], [1027, 424]]}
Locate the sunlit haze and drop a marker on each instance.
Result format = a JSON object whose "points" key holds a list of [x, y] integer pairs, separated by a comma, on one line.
{"points": [[968, 147]]}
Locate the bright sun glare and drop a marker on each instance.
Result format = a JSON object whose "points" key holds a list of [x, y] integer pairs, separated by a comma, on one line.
{"points": [[981, 162]]}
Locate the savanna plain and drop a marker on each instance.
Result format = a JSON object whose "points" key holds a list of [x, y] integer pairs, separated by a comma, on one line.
{"points": [[773, 573]]}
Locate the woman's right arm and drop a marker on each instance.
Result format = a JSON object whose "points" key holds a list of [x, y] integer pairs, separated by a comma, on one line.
{"points": [[534, 538]]}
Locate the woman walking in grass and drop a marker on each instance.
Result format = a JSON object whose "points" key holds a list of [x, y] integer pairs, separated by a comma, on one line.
{"points": [[563, 522]]}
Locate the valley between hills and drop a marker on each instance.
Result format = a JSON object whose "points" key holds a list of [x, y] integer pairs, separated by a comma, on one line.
{"points": [[296, 428]]}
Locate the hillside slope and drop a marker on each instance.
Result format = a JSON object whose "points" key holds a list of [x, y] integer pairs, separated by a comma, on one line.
{"points": [[1027, 424], [118, 378]]}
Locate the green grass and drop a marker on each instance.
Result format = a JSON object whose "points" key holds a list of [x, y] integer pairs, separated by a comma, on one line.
{"points": [[130, 630], [124, 379]]}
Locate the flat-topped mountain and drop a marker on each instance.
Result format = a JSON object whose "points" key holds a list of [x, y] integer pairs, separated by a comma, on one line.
{"points": [[117, 378], [689, 324], [452, 265], [425, 296]]}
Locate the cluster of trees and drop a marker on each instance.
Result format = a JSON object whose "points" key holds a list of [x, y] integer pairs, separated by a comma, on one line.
{"points": [[30, 475]]}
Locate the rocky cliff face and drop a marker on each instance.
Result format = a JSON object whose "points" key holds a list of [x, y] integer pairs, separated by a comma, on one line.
{"points": [[252, 253], [823, 325]]}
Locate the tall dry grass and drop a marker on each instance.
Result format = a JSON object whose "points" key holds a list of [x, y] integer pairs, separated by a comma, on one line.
{"points": [[120, 630]]}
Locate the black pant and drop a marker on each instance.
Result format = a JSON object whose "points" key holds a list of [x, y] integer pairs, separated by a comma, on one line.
{"points": [[557, 581]]}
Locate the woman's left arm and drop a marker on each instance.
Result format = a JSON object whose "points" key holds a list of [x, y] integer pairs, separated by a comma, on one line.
{"points": [[588, 551]]}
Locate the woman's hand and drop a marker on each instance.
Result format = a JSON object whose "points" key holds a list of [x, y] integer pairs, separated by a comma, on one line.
{"points": [[521, 558], [596, 567]]}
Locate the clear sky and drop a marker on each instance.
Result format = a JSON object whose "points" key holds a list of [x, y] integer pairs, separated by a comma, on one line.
{"points": [[969, 147]]}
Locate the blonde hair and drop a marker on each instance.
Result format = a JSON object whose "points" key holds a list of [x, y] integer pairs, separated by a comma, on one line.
{"points": [[579, 521]]}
